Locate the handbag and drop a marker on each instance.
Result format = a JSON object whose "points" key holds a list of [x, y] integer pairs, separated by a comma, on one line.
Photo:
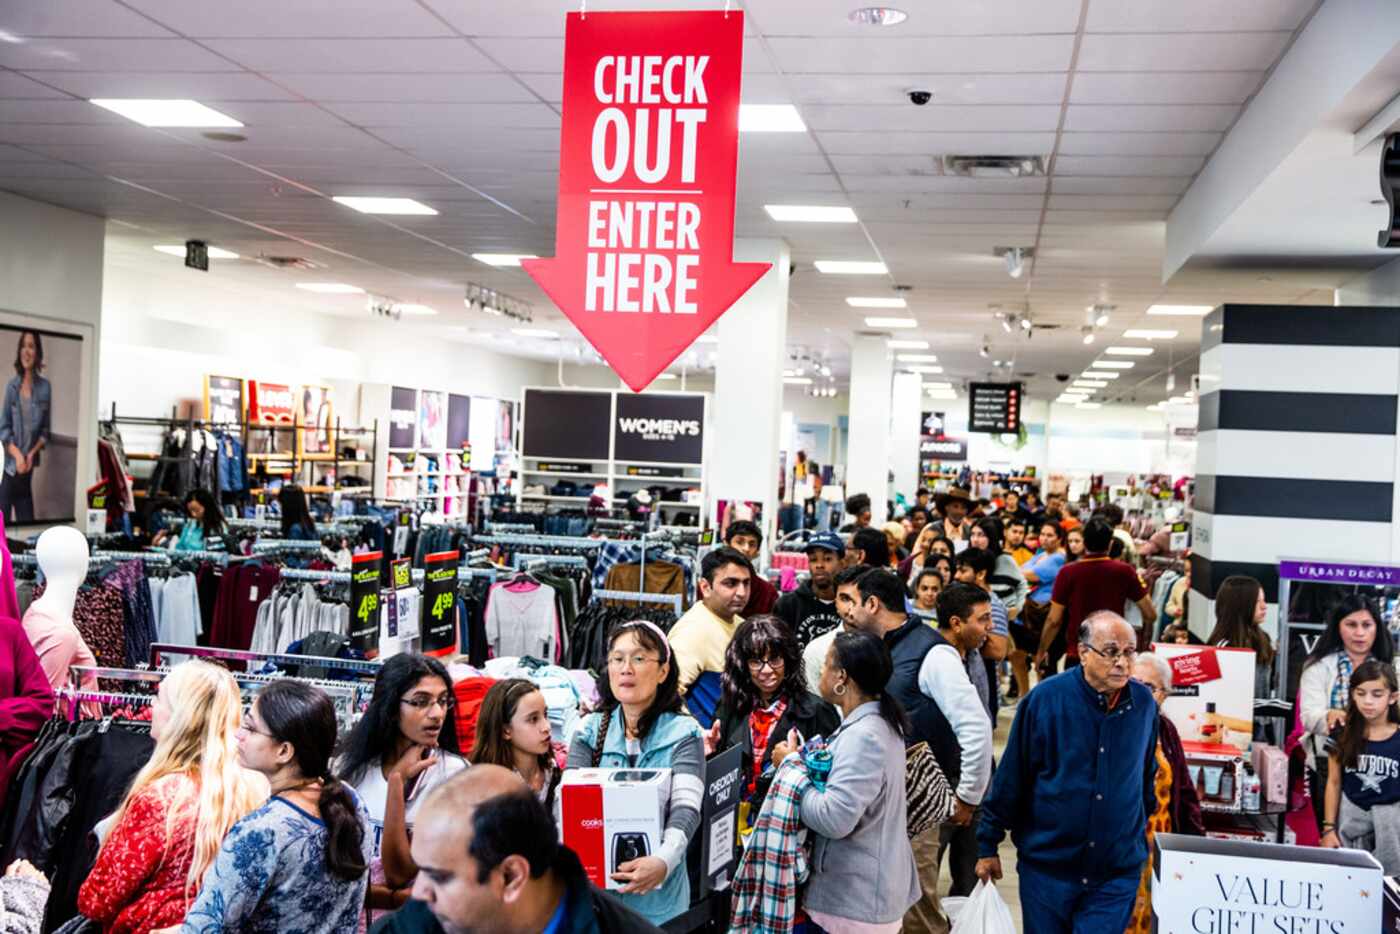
{"points": [[929, 796]]}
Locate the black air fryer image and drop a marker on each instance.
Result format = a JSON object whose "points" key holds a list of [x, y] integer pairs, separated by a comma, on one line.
{"points": [[629, 846]]}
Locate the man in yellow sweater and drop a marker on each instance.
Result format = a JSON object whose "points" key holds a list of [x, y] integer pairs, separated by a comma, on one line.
{"points": [[700, 637]]}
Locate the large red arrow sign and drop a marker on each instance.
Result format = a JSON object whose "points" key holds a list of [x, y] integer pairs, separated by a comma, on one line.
{"points": [[649, 150]]}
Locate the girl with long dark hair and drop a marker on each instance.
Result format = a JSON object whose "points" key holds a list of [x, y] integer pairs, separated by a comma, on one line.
{"points": [[203, 529], [764, 696], [299, 862], [297, 523], [512, 730], [1363, 781], [641, 723], [404, 746], [1240, 612]]}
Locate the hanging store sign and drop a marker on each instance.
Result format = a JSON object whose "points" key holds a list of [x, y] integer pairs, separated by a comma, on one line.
{"points": [[662, 429], [644, 235], [934, 445], [365, 603], [570, 425], [994, 408], [439, 627], [223, 399], [270, 403]]}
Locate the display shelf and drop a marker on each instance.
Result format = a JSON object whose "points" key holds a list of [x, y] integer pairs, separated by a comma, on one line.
{"points": [[545, 497], [657, 503], [565, 474]]}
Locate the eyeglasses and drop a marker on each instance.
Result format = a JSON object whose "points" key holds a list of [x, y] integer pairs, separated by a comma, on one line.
{"points": [[423, 701], [1113, 654], [619, 662], [772, 664]]}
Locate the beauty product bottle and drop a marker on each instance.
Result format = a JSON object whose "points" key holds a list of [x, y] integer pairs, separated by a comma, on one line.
{"points": [[1249, 791], [1227, 785]]}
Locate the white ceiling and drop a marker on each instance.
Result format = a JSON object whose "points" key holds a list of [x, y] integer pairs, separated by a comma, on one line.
{"points": [[456, 103]]}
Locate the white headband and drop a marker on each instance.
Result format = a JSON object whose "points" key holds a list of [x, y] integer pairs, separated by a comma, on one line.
{"points": [[656, 629]]}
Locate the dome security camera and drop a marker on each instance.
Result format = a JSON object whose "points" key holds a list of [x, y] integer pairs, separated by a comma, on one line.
{"points": [[1062, 377], [919, 97]]}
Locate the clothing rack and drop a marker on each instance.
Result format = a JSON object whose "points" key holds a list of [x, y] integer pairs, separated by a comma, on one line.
{"points": [[509, 527], [370, 668], [268, 547], [329, 577], [529, 562], [81, 696], [154, 557], [673, 600]]}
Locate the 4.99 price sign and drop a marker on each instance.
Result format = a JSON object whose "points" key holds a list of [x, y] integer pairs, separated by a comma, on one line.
{"points": [[649, 149], [439, 626], [364, 602]]}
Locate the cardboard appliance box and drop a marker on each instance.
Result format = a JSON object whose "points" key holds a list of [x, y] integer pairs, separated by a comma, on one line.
{"points": [[612, 816]]}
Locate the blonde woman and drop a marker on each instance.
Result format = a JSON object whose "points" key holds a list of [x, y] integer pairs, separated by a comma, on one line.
{"points": [[169, 827]]}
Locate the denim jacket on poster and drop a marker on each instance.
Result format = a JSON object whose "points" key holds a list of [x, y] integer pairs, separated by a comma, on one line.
{"points": [[24, 423]]}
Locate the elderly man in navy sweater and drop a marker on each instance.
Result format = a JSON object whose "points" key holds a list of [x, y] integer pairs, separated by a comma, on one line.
{"points": [[1075, 787]]}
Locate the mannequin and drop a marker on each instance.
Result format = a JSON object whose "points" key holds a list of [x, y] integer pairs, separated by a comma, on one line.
{"points": [[62, 553]]}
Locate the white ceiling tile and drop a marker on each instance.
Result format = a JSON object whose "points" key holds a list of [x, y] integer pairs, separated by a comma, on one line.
{"points": [[44, 55], [445, 139], [1196, 15], [967, 17], [543, 17], [201, 86], [1046, 88], [483, 117], [42, 18], [1245, 51], [1122, 185], [480, 87], [404, 56], [13, 84], [1128, 165], [903, 118], [898, 55], [13, 171], [546, 54], [1150, 118], [84, 134], [277, 18], [61, 110], [1208, 87], [848, 143], [1138, 144], [1067, 202], [323, 130]]}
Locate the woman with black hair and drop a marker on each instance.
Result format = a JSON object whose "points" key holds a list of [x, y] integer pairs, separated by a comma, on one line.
{"points": [[863, 873], [641, 723], [299, 862], [1240, 613], [1006, 579], [297, 523], [404, 746], [24, 427], [203, 529], [765, 696]]}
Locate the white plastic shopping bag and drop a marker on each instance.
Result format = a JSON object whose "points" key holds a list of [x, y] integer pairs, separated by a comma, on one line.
{"points": [[984, 913]]}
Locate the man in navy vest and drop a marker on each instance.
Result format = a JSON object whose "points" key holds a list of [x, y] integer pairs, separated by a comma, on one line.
{"points": [[1075, 786], [930, 681]]}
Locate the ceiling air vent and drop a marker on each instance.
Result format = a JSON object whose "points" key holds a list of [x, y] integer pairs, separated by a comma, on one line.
{"points": [[288, 262], [994, 166]]}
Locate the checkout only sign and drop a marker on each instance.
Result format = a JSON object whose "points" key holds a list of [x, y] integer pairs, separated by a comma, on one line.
{"points": [[649, 148]]}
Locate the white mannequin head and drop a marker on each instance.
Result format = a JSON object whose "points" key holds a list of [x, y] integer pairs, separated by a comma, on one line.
{"points": [[62, 552]]}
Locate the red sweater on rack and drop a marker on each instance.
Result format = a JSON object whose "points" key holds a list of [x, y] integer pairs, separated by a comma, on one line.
{"points": [[138, 883]]}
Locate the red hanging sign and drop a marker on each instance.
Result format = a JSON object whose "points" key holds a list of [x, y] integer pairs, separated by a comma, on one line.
{"points": [[648, 154]]}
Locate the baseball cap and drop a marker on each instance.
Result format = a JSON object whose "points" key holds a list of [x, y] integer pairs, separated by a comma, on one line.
{"points": [[828, 541]]}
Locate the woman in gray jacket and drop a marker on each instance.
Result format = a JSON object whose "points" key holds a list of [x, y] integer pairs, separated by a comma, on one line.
{"points": [[863, 877]]}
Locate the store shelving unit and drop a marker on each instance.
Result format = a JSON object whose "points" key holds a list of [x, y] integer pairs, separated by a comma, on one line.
{"points": [[399, 490]]}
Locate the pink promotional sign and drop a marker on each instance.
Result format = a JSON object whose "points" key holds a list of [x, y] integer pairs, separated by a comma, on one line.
{"points": [[649, 151]]}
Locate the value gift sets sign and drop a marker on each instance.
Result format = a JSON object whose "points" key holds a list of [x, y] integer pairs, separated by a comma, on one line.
{"points": [[649, 148]]}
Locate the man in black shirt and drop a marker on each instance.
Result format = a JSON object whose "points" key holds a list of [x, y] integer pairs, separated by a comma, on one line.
{"points": [[811, 609]]}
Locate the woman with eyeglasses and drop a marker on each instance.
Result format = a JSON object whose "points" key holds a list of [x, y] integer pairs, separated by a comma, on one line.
{"points": [[765, 696], [641, 723], [404, 746], [300, 862]]}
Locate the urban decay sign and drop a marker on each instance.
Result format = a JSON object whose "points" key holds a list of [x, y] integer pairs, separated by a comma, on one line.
{"points": [[649, 148]]}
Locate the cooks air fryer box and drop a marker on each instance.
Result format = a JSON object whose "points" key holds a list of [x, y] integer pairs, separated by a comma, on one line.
{"points": [[612, 816]]}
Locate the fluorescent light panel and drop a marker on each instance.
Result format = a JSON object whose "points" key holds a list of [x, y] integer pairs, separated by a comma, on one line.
{"points": [[376, 205], [1107, 374], [1129, 351], [797, 380], [891, 323], [175, 249], [502, 259], [770, 118], [1094, 383], [917, 358], [877, 303], [417, 310], [1115, 364], [1181, 311], [938, 387], [331, 288], [166, 113], [921, 368], [1149, 335], [810, 214], [906, 345], [841, 267]]}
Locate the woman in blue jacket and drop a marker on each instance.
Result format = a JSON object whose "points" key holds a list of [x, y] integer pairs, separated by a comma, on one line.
{"points": [[24, 427]]}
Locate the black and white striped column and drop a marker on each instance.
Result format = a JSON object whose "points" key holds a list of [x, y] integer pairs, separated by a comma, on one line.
{"points": [[1296, 443]]}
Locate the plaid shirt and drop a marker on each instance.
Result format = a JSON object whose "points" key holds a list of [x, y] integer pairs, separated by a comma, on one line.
{"points": [[612, 554], [775, 861]]}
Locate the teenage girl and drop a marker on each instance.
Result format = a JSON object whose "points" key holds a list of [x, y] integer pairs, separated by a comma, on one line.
{"points": [[1363, 780], [512, 730]]}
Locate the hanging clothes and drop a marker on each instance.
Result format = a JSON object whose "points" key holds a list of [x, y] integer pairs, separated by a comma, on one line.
{"points": [[521, 619]]}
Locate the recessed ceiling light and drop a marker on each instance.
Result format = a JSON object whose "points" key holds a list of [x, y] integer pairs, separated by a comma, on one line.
{"points": [[1181, 311], [907, 345], [1148, 335], [166, 113], [1090, 383], [837, 267], [921, 368], [891, 323], [1129, 351], [421, 311], [1101, 374], [917, 358], [810, 214], [384, 205], [502, 259], [797, 380], [1115, 364], [177, 250], [331, 288], [878, 16], [544, 333], [877, 303], [770, 118]]}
